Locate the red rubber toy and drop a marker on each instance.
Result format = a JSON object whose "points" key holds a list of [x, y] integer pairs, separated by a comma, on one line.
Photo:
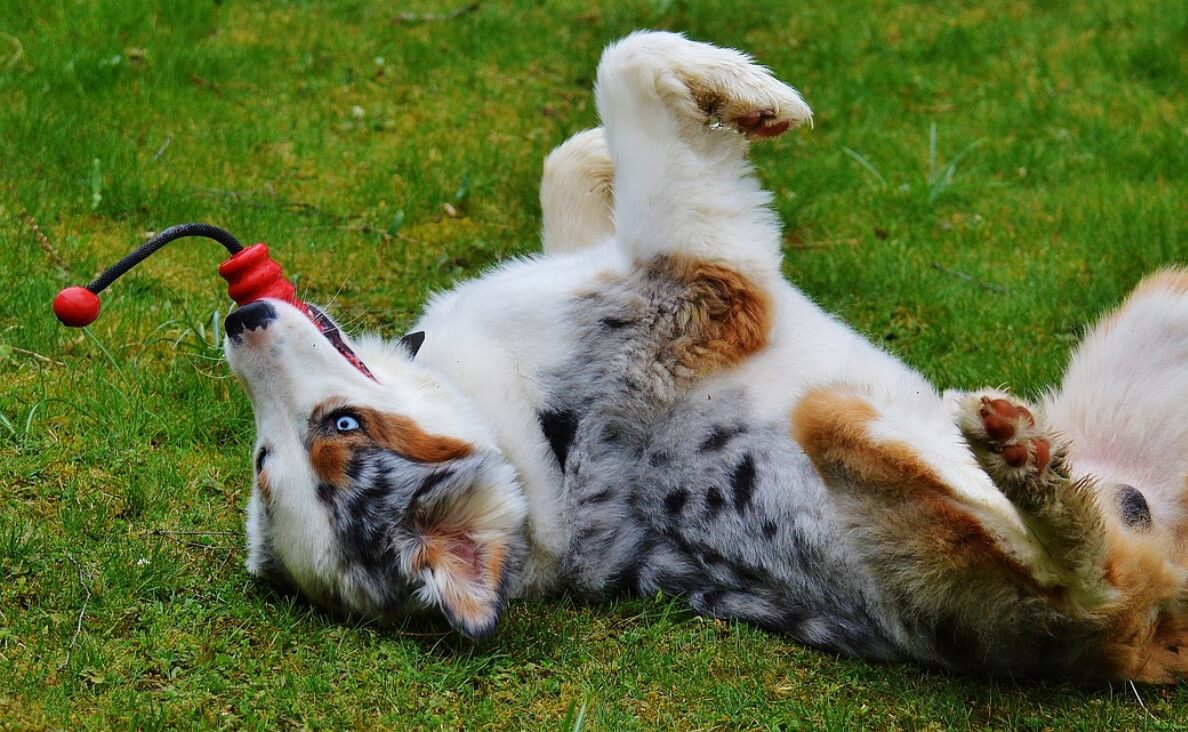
{"points": [[249, 272], [251, 275], [76, 306]]}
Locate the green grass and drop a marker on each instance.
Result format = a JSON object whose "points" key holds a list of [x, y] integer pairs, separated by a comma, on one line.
{"points": [[982, 181]]}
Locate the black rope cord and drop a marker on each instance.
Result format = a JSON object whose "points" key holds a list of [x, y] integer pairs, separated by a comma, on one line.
{"points": [[181, 231]]}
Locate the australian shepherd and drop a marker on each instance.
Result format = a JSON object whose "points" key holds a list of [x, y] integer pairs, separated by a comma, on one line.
{"points": [[649, 406]]}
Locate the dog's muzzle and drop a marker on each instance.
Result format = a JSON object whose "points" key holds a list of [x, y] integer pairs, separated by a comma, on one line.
{"points": [[257, 315]]}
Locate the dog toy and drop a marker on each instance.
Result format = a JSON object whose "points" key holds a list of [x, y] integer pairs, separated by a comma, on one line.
{"points": [[250, 273]]}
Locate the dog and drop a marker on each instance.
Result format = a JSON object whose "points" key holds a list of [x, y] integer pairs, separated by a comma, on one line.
{"points": [[649, 406]]}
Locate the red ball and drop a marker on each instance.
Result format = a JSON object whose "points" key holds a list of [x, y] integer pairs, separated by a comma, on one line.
{"points": [[76, 306]]}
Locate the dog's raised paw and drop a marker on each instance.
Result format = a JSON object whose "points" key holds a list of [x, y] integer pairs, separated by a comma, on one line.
{"points": [[1012, 425], [717, 87], [751, 100], [762, 124], [1011, 444]]}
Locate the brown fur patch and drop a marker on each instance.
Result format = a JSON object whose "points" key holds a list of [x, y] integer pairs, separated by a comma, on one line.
{"points": [[443, 550], [495, 555], [832, 426], [330, 452], [472, 572], [330, 455], [403, 435], [726, 317], [263, 486]]}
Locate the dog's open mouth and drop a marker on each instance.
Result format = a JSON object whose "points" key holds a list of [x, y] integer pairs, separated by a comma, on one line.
{"points": [[332, 333]]}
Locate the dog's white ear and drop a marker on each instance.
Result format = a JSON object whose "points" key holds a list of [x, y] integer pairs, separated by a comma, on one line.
{"points": [[466, 576], [466, 548]]}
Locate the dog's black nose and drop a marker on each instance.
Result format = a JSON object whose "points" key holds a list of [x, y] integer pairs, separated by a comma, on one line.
{"points": [[254, 315]]}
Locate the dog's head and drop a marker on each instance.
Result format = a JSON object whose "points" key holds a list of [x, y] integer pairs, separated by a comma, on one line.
{"points": [[377, 490]]}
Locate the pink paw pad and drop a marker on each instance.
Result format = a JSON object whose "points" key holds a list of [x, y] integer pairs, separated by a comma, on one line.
{"points": [[756, 123], [1002, 421]]}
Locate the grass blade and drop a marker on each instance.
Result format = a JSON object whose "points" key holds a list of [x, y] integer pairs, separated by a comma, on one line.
{"points": [[866, 164]]}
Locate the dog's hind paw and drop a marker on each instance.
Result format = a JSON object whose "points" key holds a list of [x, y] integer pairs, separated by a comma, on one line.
{"points": [[712, 86], [747, 98]]}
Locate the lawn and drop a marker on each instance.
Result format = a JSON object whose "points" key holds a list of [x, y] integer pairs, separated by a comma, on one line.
{"points": [[981, 182]]}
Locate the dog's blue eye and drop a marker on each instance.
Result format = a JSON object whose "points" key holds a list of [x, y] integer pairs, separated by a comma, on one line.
{"points": [[346, 423]]}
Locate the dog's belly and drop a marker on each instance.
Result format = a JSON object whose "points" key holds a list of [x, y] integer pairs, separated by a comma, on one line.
{"points": [[669, 484], [644, 473], [704, 501]]}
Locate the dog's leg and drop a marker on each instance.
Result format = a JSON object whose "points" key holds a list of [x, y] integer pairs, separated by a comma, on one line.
{"points": [[576, 194], [974, 581], [1025, 457], [1123, 402], [1121, 405], [678, 117]]}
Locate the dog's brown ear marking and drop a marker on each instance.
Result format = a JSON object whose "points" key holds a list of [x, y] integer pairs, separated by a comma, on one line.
{"points": [[728, 315], [466, 575]]}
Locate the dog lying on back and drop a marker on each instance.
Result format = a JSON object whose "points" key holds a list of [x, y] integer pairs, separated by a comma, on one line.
{"points": [[650, 406]]}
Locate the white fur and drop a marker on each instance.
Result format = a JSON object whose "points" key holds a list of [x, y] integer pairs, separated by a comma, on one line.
{"points": [[1122, 402], [577, 194]]}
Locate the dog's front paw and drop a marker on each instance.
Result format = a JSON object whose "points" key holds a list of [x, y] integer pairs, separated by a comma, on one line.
{"points": [[1026, 460], [1013, 447]]}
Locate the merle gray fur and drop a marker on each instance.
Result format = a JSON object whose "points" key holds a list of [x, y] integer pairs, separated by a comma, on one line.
{"points": [[374, 516], [694, 496]]}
